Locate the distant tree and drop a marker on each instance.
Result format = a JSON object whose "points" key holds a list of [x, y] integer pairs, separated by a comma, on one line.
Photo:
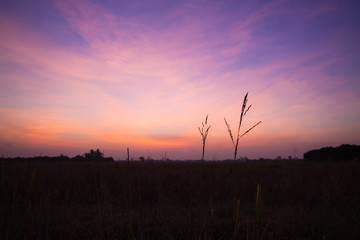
{"points": [[94, 155], [204, 130], [244, 110], [340, 153]]}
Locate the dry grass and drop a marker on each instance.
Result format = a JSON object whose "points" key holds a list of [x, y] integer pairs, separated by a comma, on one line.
{"points": [[204, 131], [244, 110], [169, 200]]}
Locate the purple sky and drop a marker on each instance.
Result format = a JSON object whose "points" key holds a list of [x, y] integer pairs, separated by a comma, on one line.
{"points": [[76, 75]]}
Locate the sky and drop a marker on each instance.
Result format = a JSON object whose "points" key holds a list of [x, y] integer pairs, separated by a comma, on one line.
{"points": [[112, 74]]}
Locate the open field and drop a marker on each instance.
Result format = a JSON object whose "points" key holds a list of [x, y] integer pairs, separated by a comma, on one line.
{"points": [[174, 200]]}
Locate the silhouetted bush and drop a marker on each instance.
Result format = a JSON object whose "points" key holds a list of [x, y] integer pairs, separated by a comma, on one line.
{"points": [[94, 155], [344, 152]]}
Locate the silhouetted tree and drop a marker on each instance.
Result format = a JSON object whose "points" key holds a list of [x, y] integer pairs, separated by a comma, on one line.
{"points": [[94, 155], [341, 153]]}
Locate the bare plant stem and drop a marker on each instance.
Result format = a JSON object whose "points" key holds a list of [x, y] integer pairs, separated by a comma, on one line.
{"points": [[258, 213], [204, 134], [203, 151], [244, 110], [128, 156]]}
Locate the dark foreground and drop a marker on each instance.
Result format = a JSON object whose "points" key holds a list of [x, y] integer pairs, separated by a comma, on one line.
{"points": [[200, 200]]}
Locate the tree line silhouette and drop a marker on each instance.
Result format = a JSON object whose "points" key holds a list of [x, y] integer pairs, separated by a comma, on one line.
{"points": [[92, 156], [344, 152]]}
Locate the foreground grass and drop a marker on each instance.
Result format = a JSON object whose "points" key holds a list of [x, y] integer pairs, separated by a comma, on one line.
{"points": [[170, 200]]}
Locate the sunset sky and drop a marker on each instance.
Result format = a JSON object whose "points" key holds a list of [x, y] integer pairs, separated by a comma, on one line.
{"points": [[80, 75]]}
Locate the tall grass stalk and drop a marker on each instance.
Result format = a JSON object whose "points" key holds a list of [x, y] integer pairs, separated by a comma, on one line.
{"points": [[258, 213], [128, 155], [236, 222], [28, 198], [244, 110], [204, 131]]}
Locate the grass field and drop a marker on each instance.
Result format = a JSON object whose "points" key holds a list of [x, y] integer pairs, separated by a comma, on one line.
{"points": [[174, 200]]}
